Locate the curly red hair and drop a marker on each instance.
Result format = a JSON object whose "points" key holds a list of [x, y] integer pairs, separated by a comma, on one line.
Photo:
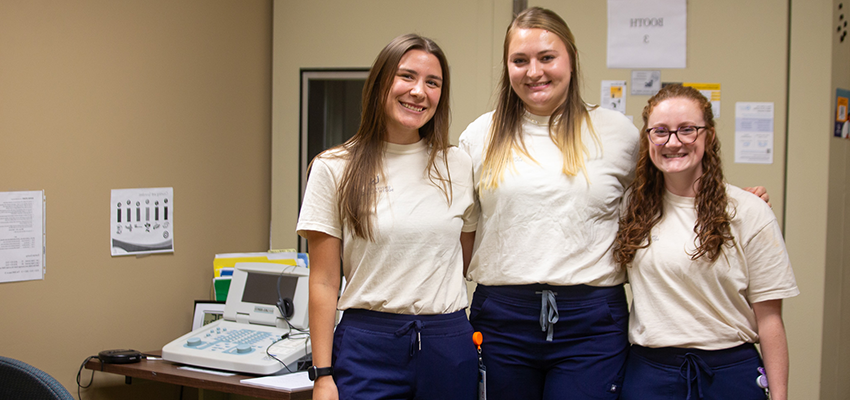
{"points": [[645, 207]]}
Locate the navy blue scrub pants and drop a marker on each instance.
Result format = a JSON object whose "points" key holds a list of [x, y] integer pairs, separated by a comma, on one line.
{"points": [[585, 357], [394, 356], [670, 373]]}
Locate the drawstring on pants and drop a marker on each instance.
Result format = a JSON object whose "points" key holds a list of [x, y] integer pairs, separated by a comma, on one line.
{"points": [[548, 313], [416, 326], [691, 369]]}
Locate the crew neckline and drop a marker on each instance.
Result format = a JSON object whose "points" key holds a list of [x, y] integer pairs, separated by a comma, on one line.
{"points": [[405, 148], [679, 201], [539, 120]]}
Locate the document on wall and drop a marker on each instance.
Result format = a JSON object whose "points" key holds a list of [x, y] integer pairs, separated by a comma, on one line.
{"points": [[22, 248], [646, 83], [647, 33], [613, 95], [142, 221], [754, 133]]}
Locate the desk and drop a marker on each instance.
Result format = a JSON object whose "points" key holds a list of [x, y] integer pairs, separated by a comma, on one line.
{"points": [[168, 372]]}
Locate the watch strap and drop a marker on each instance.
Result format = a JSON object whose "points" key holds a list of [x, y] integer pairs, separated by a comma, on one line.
{"points": [[314, 372]]}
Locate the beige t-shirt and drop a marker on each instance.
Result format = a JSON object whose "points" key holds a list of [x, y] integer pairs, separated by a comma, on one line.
{"points": [[415, 264], [542, 226], [679, 302]]}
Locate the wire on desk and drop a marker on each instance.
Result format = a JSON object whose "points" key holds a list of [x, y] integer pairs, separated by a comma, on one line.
{"points": [[80, 371], [289, 335]]}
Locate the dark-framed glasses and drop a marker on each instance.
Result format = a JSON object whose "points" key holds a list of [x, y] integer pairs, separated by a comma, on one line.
{"points": [[660, 135]]}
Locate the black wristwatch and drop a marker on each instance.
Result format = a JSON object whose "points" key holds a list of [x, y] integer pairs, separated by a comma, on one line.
{"points": [[314, 373]]}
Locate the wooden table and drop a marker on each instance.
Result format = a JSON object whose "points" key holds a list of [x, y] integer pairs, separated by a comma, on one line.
{"points": [[168, 372]]}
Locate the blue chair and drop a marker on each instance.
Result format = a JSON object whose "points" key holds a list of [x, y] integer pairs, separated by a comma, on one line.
{"points": [[19, 380]]}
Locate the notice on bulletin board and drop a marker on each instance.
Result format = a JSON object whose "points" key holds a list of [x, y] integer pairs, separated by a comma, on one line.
{"points": [[754, 133], [22, 249], [842, 130], [142, 221]]}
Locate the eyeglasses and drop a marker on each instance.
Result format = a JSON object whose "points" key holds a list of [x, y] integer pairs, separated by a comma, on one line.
{"points": [[659, 136]]}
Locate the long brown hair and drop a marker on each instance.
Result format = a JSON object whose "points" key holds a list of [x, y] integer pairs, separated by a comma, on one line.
{"points": [[565, 122], [364, 151], [645, 207]]}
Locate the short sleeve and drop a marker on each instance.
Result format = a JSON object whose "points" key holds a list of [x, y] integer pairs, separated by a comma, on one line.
{"points": [[770, 273], [470, 216], [320, 210]]}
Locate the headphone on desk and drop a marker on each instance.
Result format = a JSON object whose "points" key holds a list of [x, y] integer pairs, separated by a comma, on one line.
{"points": [[284, 304]]}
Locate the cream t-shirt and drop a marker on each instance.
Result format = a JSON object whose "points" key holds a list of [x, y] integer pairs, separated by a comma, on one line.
{"points": [[679, 302], [541, 226], [415, 264]]}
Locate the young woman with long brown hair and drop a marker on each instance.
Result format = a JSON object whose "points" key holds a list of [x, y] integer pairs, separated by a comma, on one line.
{"points": [[392, 205], [707, 266]]}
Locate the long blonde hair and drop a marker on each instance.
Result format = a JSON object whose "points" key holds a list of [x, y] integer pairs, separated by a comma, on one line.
{"points": [[364, 151], [565, 122]]}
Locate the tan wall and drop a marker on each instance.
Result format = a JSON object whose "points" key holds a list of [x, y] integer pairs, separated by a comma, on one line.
{"points": [[817, 215], [835, 365], [98, 95]]}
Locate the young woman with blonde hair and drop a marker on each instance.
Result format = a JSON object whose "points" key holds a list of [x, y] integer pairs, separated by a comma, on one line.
{"points": [[549, 171]]}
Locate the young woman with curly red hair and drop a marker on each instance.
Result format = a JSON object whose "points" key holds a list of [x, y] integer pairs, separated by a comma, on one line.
{"points": [[706, 262]]}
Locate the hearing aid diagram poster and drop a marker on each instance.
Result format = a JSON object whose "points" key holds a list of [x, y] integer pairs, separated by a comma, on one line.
{"points": [[754, 133], [647, 33], [22, 248], [142, 221]]}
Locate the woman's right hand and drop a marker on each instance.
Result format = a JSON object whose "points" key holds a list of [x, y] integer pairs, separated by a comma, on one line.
{"points": [[324, 388]]}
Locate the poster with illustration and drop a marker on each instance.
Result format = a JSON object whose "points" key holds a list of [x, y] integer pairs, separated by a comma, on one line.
{"points": [[842, 97]]}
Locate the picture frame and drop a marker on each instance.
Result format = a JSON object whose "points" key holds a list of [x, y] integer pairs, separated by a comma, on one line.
{"points": [[207, 311]]}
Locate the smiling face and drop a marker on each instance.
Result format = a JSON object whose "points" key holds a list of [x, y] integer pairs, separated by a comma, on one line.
{"points": [[413, 97], [680, 163], [539, 69]]}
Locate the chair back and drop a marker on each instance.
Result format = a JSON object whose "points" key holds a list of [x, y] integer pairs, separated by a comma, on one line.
{"points": [[19, 380]]}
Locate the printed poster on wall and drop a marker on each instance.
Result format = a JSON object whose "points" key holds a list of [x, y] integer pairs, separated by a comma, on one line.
{"points": [[646, 83], [842, 130], [142, 221], [613, 96], [647, 33], [754, 133], [22, 236]]}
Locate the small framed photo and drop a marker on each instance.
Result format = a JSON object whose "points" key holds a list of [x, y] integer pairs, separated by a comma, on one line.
{"points": [[207, 311]]}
